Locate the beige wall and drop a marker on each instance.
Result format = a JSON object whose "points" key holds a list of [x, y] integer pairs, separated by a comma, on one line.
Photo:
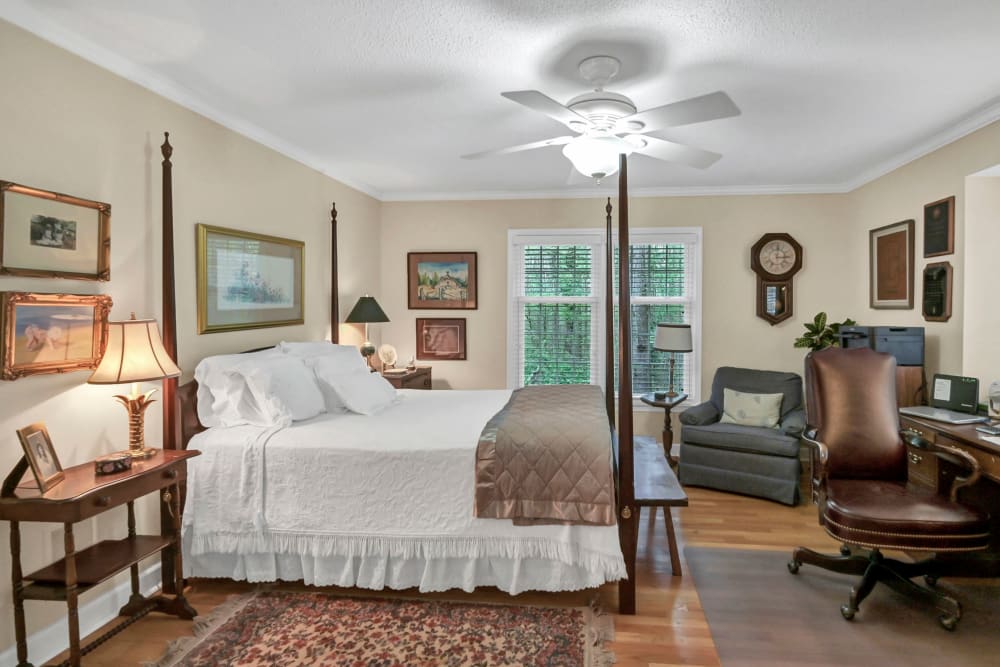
{"points": [[981, 330], [68, 126]]}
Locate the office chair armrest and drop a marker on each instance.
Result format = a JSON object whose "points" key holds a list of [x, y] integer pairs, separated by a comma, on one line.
{"points": [[819, 455], [699, 415], [953, 455]]}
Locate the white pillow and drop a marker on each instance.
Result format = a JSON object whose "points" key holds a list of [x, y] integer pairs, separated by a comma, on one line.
{"points": [[360, 391], [739, 407], [222, 399], [283, 388], [329, 366], [348, 356]]}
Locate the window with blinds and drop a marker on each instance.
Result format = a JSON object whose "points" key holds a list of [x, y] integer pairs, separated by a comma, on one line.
{"points": [[556, 322]]}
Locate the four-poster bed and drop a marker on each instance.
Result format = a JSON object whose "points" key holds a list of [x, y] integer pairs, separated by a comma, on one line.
{"points": [[583, 559]]}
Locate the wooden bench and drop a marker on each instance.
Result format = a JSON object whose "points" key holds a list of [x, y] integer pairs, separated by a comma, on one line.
{"points": [[656, 485]]}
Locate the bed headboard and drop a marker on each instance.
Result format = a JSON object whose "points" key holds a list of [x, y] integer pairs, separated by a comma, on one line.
{"points": [[187, 408]]}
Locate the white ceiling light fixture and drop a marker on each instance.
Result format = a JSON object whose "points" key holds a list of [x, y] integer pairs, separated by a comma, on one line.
{"points": [[596, 156]]}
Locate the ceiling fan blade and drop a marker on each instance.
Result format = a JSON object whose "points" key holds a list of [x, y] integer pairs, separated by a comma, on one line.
{"points": [[694, 110], [662, 149], [557, 141], [544, 104]]}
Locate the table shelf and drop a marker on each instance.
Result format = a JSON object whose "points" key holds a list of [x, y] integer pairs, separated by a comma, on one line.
{"points": [[101, 561]]}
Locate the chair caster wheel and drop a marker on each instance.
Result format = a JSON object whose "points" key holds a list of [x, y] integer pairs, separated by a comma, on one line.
{"points": [[793, 566], [930, 580], [949, 623], [847, 612], [845, 550]]}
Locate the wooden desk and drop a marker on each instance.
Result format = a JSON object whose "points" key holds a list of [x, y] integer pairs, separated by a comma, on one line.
{"points": [[657, 486], [667, 404], [928, 471], [81, 495]]}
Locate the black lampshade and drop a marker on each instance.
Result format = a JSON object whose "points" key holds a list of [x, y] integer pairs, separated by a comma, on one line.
{"points": [[366, 310]]}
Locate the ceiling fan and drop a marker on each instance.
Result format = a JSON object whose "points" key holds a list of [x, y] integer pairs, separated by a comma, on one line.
{"points": [[608, 124]]}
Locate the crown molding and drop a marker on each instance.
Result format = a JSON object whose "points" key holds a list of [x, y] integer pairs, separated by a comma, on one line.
{"points": [[21, 14]]}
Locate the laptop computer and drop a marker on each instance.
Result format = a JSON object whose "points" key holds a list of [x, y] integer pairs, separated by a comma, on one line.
{"points": [[954, 400]]}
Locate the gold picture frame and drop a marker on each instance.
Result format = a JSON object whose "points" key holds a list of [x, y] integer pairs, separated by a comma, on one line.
{"points": [[52, 333], [46, 234], [890, 266], [248, 280], [41, 455]]}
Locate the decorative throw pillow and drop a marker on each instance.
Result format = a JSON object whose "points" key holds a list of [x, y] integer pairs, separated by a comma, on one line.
{"points": [[747, 409], [346, 357], [362, 392], [224, 400], [284, 388]]}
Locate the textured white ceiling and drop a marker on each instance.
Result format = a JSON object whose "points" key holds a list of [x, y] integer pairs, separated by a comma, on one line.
{"points": [[386, 94]]}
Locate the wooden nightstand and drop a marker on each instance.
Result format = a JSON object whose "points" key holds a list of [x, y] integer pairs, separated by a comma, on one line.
{"points": [[418, 378], [82, 495]]}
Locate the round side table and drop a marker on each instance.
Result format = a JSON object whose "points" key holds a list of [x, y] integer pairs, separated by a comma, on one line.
{"points": [[668, 433]]}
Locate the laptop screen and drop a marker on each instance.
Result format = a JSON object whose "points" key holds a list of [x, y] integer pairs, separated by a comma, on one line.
{"points": [[955, 392]]}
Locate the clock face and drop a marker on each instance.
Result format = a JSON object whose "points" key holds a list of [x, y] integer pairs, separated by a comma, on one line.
{"points": [[777, 257]]}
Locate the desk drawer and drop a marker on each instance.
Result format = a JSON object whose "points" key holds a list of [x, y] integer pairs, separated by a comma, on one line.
{"points": [[921, 467], [990, 463], [921, 430]]}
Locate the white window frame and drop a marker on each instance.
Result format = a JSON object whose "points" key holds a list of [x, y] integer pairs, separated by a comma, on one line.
{"points": [[596, 238]]}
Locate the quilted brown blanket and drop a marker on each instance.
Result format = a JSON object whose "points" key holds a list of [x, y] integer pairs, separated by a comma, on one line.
{"points": [[546, 458]]}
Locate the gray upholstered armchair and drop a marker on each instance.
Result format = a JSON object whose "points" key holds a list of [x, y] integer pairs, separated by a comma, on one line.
{"points": [[755, 460]]}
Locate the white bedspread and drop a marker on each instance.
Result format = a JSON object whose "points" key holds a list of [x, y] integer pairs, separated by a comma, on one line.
{"points": [[382, 501]]}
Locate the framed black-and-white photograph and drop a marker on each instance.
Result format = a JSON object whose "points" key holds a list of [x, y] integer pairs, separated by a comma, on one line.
{"points": [[51, 235], [890, 258], [41, 455], [441, 338], [939, 227], [247, 280]]}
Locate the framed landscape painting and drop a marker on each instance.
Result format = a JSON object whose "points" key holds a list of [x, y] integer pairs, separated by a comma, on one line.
{"points": [[891, 265], [52, 333], [442, 280], [247, 280], [51, 235], [441, 338]]}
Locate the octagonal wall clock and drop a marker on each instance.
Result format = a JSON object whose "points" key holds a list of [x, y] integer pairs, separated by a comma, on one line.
{"points": [[775, 258]]}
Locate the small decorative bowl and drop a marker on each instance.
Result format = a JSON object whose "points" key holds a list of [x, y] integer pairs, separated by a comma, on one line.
{"points": [[112, 463]]}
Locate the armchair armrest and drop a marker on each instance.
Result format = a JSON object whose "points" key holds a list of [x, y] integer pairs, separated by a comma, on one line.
{"points": [[953, 455], [699, 415], [794, 423]]}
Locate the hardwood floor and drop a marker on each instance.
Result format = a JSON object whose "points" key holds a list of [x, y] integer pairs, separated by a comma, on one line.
{"points": [[670, 628]]}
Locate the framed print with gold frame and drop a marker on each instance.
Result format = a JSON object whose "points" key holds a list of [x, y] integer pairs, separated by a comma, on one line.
{"points": [[52, 333], [46, 234], [248, 280], [41, 455], [890, 258]]}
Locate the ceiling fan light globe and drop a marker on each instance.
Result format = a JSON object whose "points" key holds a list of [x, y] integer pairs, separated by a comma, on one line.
{"points": [[596, 157]]}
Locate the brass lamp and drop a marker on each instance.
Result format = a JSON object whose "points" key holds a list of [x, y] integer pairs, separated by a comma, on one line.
{"points": [[672, 338], [367, 310], [135, 354]]}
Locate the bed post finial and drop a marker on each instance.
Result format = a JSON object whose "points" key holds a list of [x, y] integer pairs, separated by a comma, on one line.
{"points": [[334, 288]]}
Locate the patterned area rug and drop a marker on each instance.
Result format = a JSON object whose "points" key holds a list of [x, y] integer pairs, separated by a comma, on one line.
{"points": [[283, 629]]}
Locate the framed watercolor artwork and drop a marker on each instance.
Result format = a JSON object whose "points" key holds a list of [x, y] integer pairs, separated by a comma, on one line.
{"points": [[247, 280], [46, 234], [41, 455], [441, 338], [52, 333], [890, 258], [442, 280]]}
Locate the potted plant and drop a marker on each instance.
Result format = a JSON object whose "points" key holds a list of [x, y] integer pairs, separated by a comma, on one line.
{"points": [[821, 334]]}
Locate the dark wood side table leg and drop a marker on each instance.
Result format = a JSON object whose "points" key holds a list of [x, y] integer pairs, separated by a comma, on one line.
{"points": [[72, 594], [675, 561], [178, 605], [20, 632], [136, 601], [668, 439]]}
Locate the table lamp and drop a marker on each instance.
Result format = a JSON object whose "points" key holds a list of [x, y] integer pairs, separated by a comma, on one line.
{"points": [[367, 310], [672, 338], [135, 354]]}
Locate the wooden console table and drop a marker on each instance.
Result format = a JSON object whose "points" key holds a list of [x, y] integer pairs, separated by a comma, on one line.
{"points": [[81, 495]]}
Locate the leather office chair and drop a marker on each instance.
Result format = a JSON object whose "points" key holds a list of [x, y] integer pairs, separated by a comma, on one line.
{"points": [[859, 484]]}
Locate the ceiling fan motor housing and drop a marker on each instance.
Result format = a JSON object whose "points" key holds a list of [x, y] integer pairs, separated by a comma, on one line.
{"points": [[602, 108]]}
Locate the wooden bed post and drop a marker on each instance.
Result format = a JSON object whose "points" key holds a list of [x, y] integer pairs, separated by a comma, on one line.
{"points": [[170, 432], [334, 290], [609, 320], [627, 511]]}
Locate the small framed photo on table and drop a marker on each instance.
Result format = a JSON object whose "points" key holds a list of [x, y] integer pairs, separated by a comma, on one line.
{"points": [[41, 455]]}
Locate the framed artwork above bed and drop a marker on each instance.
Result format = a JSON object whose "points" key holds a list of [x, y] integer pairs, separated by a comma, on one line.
{"points": [[248, 280]]}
